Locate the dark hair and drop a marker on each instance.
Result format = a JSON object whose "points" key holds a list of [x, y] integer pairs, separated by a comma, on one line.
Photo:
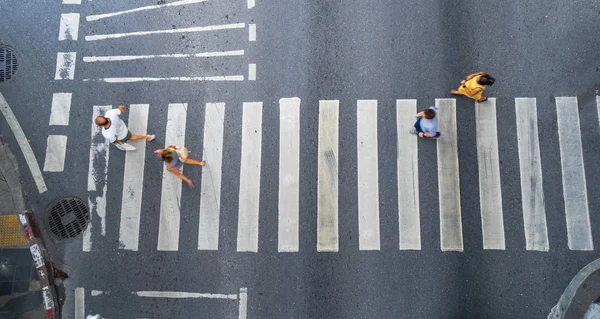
{"points": [[167, 155], [429, 114], [486, 80]]}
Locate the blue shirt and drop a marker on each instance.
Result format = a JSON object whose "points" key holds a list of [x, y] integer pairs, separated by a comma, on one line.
{"points": [[430, 126]]}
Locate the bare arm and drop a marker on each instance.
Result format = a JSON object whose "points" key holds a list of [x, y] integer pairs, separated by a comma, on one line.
{"points": [[472, 92], [474, 75], [121, 109], [179, 175]]}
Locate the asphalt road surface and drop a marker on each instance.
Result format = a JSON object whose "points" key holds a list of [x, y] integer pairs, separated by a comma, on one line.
{"points": [[315, 202]]}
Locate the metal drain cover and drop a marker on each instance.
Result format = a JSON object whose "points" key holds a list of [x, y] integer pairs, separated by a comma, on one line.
{"points": [[67, 218], [8, 63]]}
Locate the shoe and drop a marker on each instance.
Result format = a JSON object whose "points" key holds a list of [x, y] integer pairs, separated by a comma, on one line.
{"points": [[127, 147], [413, 131], [152, 137], [119, 146]]}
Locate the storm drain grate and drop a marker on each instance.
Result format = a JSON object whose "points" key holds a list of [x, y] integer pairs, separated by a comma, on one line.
{"points": [[67, 218], [8, 63]]}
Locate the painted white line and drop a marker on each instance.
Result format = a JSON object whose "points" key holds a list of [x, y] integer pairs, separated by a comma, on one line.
{"points": [[327, 187], [69, 27], [579, 229], [490, 192], [210, 199], [368, 175], [598, 107], [170, 204], [250, 166], [97, 175], [251, 4], [56, 149], [167, 31], [65, 65], [159, 6], [448, 177], [252, 32], [96, 293], [252, 72], [532, 189], [115, 58], [408, 177], [178, 78], [133, 180], [79, 303], [61, 107], [30, 159], [243, 307], [179, 295], [289, 174], [71, 2]]}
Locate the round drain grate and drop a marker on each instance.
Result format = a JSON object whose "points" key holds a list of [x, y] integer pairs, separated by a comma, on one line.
{"points": [[8, 63], [67, 218]]}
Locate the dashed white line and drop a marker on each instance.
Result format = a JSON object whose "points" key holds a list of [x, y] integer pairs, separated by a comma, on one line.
{"points": [[180, 78], [180, 294], [251, 4], [61, 107], [69, 27], [252, 72], [252, 32], [71, 2], [158, 6], [243, 307], [79, 303], [65, 66], [114, 58], [56, 149], [167, 31]]}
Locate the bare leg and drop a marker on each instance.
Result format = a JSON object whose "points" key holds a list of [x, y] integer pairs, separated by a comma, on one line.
{"points": [[193, 162], [140, 137]]}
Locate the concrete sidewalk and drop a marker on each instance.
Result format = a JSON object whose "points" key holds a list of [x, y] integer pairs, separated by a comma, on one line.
{"points": [[20, 287]]}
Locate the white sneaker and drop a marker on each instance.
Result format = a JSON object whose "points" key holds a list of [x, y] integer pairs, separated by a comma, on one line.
{"points": [[128, 147]]}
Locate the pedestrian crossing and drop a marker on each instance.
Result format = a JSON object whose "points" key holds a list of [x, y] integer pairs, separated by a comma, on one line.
{"points": [[213, 196]]}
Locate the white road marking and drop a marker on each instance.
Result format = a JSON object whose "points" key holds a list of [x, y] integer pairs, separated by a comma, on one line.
{"points": [[170, 204], [21, 139], [252, 72], [448, 177], [56, 149], [69, 27], [65, 66], [71, 2], [251, 4], [179, 295], [252, 32], [250, 166], [532, 190], [167, 31], [115, 58], [289, 174], [79, 303], [579, 229], [96, 293], [61, 107], [97, 175], [408, 177], [243, 307], [177, 78], [210, 199], [133, 180], [368, 175], [598, 107], [158, 6], [327, 189], [490, 192]]}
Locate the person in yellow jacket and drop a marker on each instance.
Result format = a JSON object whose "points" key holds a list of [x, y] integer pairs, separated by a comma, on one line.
{"points": [[474, 85]]}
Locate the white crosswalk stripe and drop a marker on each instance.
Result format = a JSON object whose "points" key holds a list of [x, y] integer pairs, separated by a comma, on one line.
{"points": [[291, 183], [532, 189], [133, 180], [448, 178], [170, 204]]}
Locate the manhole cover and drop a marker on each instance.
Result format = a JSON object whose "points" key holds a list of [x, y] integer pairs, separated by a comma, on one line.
{"points": [[8, 63], [67, 218]]}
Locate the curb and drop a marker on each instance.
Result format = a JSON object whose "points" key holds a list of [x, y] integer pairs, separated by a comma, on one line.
{"points": [[581, 292], [42, 263]]}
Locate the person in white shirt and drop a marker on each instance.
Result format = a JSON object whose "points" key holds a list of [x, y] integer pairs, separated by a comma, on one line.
{"points": [[115, 130]]}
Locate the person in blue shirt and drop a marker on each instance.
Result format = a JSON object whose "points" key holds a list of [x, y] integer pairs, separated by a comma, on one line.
{"points": [[427, 123]]}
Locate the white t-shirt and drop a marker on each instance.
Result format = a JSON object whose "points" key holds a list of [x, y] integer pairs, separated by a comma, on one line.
{"points": [[117, 129]]}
